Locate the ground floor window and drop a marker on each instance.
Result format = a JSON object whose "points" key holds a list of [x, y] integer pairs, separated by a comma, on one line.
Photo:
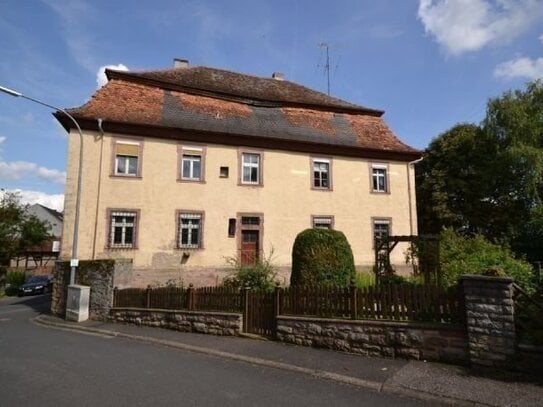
{"points": [[190, 230], [122, 229], [381, 229], [322, 222]]}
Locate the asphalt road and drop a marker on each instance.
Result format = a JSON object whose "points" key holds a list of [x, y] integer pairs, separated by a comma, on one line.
{"points": [[47, 367]]}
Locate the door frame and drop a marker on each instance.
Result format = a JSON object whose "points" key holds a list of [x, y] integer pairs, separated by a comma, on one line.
{"points": [[259, 228]]}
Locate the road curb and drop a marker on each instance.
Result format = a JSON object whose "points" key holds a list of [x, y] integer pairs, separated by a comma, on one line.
{"points": [[381, 387]]}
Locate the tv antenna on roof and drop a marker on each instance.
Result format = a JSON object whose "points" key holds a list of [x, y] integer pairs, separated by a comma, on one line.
{"points": [[327, 65]]}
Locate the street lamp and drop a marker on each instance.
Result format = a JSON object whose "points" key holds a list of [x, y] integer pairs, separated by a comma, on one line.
{"points": [[74, 261]]}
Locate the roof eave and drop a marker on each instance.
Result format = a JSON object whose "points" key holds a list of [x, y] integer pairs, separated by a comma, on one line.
{"points": [[154, 131]]}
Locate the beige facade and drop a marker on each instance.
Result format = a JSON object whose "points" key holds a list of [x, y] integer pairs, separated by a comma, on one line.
{"points": [[285, 200]]}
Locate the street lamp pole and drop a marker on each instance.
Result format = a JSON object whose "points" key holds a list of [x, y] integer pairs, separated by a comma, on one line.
{"points": [[74, 261]]}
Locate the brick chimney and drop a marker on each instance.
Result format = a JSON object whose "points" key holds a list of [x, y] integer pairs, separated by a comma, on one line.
{"points": [[278, 76], [180, 63]]}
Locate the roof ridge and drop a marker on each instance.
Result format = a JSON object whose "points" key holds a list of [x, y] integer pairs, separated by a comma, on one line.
{"points": [[276, 94]]}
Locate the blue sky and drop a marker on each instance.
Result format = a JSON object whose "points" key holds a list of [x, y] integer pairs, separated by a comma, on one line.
{"points": [[429, 64]]}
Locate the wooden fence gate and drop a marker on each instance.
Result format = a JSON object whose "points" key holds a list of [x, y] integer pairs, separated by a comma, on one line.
{"points": [[259, 312]]}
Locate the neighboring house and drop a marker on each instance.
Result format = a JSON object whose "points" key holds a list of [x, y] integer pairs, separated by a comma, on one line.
{"points": [[43, 256], [186, 166]]}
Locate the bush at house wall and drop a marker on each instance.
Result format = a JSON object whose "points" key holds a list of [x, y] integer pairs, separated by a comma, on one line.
{"points": [[322, 256]]}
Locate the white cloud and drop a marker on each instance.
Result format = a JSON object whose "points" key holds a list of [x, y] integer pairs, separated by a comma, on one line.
{"points": [[469, 25], [16, 170], [101, 79], [54, 201], [2, 141], [520, 68], [541, 38]]}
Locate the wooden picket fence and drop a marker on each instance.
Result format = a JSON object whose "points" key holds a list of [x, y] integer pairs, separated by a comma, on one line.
{"points": [[392, 302], [383, 302]]}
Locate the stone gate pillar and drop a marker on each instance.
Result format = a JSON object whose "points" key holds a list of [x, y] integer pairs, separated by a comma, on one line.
{"points": [[490, 320]]}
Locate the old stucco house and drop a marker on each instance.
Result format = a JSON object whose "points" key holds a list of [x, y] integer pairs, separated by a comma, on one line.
{"points": [[185, 166]]}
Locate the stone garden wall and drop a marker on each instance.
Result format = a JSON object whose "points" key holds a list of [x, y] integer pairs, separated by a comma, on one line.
{"points": [[214, 323], [100, 275], [435, 342]]}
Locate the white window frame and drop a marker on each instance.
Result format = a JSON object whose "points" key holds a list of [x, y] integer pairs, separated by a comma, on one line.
{"points": [[126, 159], [250, 165], [189, 154], [322, 220], [328, 173], [124, 224], [190, 227], [378, 172]]}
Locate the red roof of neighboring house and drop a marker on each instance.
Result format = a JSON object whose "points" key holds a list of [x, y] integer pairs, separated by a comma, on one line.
{"points": [[237, 109]]}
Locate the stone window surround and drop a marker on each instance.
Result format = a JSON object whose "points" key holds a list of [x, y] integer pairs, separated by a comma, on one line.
{"points": [[242, 151], [109, 212], [131, 140], [331, 217], [329, 160], [386, 167], [187, 147], [375, 219], [178, 213]]}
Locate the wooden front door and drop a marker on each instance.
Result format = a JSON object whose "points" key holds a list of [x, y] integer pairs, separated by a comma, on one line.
{"points": [[249, 246]]}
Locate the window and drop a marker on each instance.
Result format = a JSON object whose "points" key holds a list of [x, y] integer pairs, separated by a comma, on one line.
{"points": [[250, 168], [223, 172], [123, 229], [192, 163], [190, 230], [322, 222], [321, 173], [381, 229], [379, 178], [127, 158], [231, 227]]}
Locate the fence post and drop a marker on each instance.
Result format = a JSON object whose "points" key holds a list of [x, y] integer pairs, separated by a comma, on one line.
{"points": [[245, 307], [354, 302], [148, 297], [190, 297], [115, 291], [276, 306]]}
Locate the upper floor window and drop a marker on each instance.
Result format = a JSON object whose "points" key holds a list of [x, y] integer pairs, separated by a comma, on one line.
{"points": [[321, 173], [189, 230], [122, 229], [379, 177], [251, 168], [322, 222], [192, 163], [127, 158]]}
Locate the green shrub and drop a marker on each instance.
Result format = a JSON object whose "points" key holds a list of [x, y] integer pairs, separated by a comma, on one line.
{"points": [[14, 279], [364, 278], [476, 255], [322, 256], [259, 275]]}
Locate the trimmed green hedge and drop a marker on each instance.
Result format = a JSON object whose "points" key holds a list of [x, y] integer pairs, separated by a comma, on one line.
{"points": [[322, 256]]}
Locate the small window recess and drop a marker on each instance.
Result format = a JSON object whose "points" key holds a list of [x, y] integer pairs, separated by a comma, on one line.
{"points": [[232, 227], [223, 172]]}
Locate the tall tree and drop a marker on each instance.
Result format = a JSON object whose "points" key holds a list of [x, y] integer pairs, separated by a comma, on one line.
{"points": [[18, 229], [488, 178]]}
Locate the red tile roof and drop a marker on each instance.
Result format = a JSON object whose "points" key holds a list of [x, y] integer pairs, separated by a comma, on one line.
{"points": [[292, 113]]}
